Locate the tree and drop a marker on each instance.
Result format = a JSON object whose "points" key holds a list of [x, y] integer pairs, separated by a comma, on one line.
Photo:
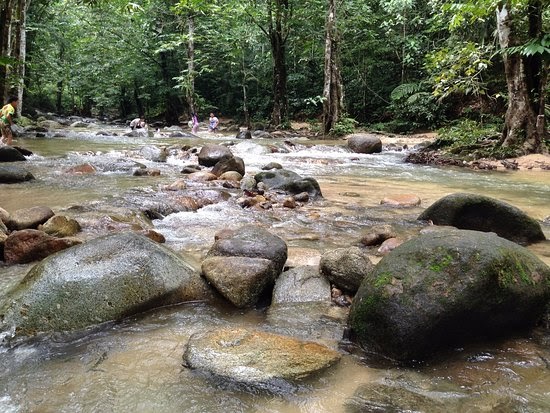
{"points": [[277, 29], [333, 93], [526, 71], [13, 17], [525, 50]]}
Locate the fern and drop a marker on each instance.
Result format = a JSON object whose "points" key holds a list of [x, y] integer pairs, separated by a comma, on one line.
{"points": [[406, 90]]}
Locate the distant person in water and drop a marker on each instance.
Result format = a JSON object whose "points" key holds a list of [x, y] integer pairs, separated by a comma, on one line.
{"points": [[213, 123], [6, 120], [137, 123], [195, 123]]}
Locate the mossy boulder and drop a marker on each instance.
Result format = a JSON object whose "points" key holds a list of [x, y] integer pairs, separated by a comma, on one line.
{"points": [[482, 213], [447, 287], [104, 279]]}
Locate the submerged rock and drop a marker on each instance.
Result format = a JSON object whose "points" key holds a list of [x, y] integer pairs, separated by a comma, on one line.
{"points": [[105, 279], [482, 213], [256, 358], [13, 174], [445, 288]]}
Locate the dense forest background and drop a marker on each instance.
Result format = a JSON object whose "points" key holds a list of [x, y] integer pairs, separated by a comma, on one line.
{"points": [[394, 65]]}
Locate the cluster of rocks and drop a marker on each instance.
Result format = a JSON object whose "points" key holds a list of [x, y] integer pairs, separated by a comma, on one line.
{"points": [[31, 234], [464, 277], [444, 287]]}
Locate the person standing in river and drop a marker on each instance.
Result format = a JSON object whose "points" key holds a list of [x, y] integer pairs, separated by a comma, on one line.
{"points": [[195, 123], [6, 120]]}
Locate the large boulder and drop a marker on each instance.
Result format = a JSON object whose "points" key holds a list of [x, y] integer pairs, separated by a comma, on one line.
{"points": [[251, 241], [104, 279], [288, 181], [446, 287], [211, 154], [256, 358], [229, 164], [365, 143], [346, 267], [482, 213], [13, 174]]}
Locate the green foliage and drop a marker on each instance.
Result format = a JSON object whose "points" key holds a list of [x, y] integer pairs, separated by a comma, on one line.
{"points": [[472, 140], [459, 69], [413, 103], [537, 46], [466, 132], [343, 127]]}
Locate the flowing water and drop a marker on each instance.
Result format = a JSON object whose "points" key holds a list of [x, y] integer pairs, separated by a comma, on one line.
{"points": [[136, 365]]}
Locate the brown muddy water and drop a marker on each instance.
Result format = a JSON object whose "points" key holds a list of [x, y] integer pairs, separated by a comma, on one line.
{"points": [[136, 365]]}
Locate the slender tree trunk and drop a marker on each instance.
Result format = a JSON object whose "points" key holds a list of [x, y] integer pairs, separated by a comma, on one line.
{"points": [[277, 39], [190, 90], [333, 95], [170, 101], [139, 103], [245, 94], [6, 16], [21, 50], [59, 97], [524, 121]]}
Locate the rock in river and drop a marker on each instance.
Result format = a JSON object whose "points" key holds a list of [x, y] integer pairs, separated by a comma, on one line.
{"points": [[447, 287], [256, 358], [104, 279]]}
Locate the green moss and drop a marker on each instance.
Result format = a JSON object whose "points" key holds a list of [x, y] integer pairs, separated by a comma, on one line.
{"points": [[441, 263], [383, 279], [511, 270]]}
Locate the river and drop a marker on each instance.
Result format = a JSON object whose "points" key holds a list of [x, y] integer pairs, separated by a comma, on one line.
{"points": [[136, 365]]}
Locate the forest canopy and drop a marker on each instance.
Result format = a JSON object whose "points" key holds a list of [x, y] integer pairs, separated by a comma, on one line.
{"points": [[395, 65]]}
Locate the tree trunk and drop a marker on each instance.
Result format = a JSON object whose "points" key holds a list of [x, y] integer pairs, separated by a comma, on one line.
{"points": [[524, 121], [333, 96], [245, 94], [20, 52], [277, 39], [190, 90], [59, 97], [171, 101], [139, 103], [6, 15]]}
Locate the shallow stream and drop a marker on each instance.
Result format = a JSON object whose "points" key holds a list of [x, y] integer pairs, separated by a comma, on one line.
{"points": [[136, 365]]}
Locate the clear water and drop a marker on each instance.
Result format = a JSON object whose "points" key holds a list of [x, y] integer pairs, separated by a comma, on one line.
{"points": [[136, 365]]}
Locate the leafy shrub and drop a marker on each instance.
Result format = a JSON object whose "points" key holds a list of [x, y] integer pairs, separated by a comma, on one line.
{"points": [[344, 126], [414, 104]]}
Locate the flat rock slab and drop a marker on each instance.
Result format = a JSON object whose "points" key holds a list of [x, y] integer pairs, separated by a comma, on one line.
{"points": [[256, 358]]}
